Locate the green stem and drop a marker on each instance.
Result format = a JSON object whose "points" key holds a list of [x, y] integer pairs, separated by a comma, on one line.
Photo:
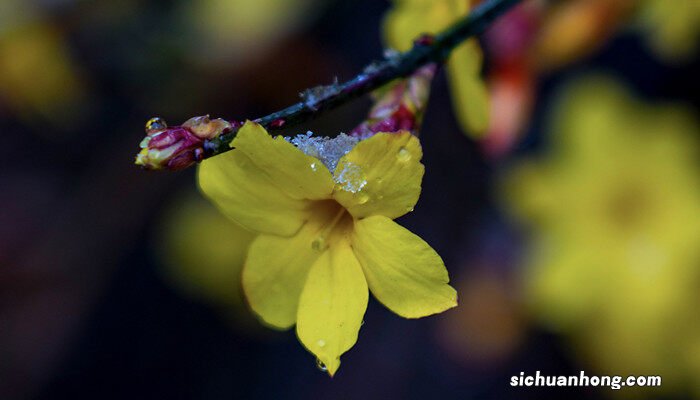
{"points": [[425, 50]]}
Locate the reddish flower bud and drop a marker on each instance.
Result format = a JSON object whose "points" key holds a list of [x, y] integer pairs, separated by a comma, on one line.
{"points": [[278, 123], [399, 107], [425, 39], [177, 147]]}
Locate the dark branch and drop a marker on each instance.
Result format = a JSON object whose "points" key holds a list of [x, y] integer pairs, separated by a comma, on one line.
{"points": [[426, 49]]}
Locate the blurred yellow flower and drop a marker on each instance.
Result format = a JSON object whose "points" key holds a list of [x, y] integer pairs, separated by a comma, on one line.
{"points": [[673, 26], [614, 209], [203, 252], [573, 29], [239, 30], [38, 77], [408, 19], [324, 237]]}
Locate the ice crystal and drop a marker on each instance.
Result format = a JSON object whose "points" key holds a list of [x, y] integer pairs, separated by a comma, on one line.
{"points": [[350, 178], [328, 150], [311, 97]]}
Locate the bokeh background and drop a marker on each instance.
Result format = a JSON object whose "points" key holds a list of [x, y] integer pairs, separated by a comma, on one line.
{"points": [[571, 232]]}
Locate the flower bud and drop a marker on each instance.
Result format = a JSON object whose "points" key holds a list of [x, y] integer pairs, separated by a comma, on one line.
{"points": [[177, 147], [400, 107], [205, 128]]}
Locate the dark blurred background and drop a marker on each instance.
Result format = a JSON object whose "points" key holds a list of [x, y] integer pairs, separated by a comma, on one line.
{"points": [[104, 286]]}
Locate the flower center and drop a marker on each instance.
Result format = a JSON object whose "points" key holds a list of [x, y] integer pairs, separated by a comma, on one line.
{"points": [[628, 206], [337, 222]]}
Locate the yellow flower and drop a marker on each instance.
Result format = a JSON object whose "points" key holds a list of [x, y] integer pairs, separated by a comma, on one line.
{"points": [[614, 215], [38, 78], [673, 27], [572, 29], [196, 259], [325, 238], [409, 19], [238, 31]]}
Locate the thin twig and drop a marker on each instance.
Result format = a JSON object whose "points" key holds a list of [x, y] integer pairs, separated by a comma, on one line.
{"points": [[177, 147], [425, 50]]}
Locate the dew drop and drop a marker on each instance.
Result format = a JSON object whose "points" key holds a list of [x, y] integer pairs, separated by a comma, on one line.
{"points": [[314, 167], [403, 154], [321, 366], [318, 244], [321, 343], [362, 198], [155, 124], [409, 209]]}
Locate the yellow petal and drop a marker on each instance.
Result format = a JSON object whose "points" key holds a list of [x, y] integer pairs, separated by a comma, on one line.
{"points": [[276, 269], [300, 176], [403, 272], [380, 175], [332, 305], [470, 98], [244, 193], [409, 19]]}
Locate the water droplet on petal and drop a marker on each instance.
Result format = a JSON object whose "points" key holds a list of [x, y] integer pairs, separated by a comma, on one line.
{"points": [[318, 244], [314, 167], [403, 155], [409, 209], [362, 323], [362, 198], [321, 343], [320, 365]]}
